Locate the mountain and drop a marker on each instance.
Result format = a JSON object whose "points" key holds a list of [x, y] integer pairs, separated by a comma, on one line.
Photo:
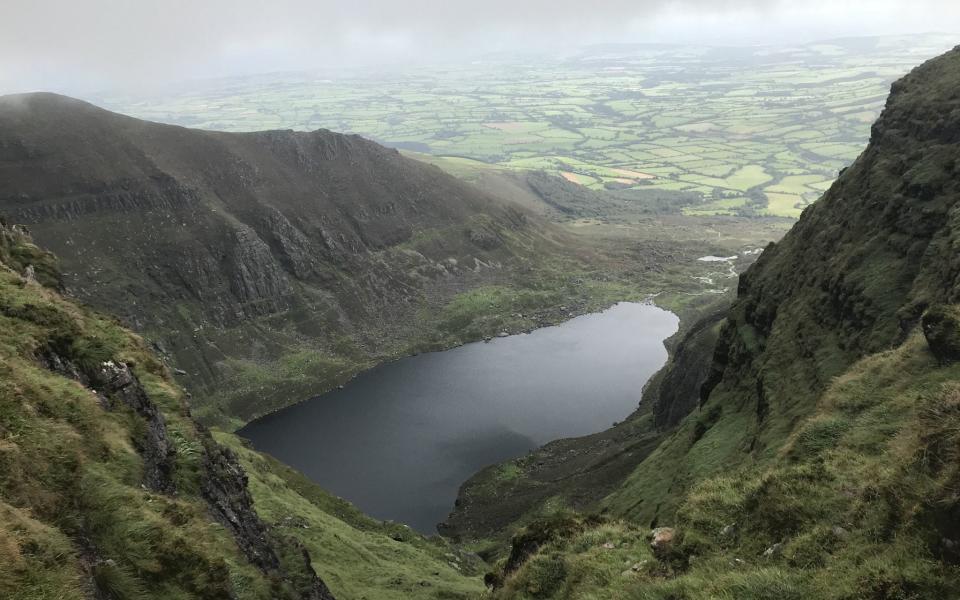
{"points": [[266, 267], [852, 278], [823, 460]]}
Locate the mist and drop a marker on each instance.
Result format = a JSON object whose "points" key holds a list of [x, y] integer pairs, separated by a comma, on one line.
{"points": [[74, 46]]}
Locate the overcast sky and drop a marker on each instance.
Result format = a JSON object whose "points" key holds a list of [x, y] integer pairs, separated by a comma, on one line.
{"points": [[77, 45]]}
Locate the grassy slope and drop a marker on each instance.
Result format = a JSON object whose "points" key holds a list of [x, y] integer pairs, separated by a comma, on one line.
{"points": [[360, 556], [70, 494], [75, 518], [850, 279], [855, 496]]}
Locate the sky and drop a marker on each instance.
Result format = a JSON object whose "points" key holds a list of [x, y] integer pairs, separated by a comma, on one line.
{"points": [[86, 45]]}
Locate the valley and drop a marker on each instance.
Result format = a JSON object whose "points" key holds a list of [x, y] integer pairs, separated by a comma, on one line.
{"points": [[268, 268], [580, 315]]}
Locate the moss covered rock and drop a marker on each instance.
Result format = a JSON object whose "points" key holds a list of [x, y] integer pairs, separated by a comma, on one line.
{"points": [[941, 327]]}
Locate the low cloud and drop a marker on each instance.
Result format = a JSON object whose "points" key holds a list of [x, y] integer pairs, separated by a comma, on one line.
{"points": [[85, 44]]}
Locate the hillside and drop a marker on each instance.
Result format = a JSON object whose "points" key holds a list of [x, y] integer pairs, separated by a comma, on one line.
{"points": [[851, 279], [110, 490], [823, 459], [266, 266]]}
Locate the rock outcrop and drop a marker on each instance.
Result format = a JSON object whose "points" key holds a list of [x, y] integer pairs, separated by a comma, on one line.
{"points": [[118, 383], [675, 390], [224, 487], [941, 327]]}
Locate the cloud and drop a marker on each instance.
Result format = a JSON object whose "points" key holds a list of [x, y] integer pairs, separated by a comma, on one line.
{"points": [[64, 44]]}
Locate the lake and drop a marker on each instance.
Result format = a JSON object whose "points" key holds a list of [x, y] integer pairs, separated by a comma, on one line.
{"points": [[400, 439]]}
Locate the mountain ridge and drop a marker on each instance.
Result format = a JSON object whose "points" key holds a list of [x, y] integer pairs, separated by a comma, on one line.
{"points": [[311, 252]]}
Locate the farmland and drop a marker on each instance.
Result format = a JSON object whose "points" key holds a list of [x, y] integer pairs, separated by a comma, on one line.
{"points": [[756, 131]]}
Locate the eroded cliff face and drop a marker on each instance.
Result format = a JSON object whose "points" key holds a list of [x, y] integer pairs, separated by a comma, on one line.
{"points": [[224, 487], [244, 249], [675, 391]]}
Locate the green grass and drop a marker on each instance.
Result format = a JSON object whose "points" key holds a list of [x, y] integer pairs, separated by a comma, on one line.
{"points": [[725, 206], [784, 205], [70, 472], [748, 177], [358, 557], [508, 471], [258, 385], [795, 184]]}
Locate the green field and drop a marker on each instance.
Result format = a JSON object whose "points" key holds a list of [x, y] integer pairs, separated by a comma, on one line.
{"points": [[771, 124]]}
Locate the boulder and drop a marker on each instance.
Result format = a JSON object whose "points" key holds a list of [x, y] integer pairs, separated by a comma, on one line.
{"points": [[661, 541], [773, 551], [941, 327], [840, 532]]}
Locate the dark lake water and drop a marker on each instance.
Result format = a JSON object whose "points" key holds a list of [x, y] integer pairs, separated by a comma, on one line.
{"points": [[400, 439]]}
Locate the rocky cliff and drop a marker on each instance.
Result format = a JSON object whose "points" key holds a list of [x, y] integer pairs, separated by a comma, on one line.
{"points": [[855, 274], [308, 255]]}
